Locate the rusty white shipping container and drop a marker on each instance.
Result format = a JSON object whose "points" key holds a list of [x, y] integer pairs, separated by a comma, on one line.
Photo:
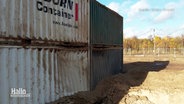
{"points": [[45, 74], [48, 74], [83, 21], [56, 20]]}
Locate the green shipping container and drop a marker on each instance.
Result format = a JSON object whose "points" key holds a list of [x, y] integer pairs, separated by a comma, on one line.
{"points": [[106, 26]]}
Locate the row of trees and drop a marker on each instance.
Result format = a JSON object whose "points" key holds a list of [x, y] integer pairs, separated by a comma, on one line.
{"points": [[158, 42]]}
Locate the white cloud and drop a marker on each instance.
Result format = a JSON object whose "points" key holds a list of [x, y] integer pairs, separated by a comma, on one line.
{"points": [[120, 7], [133, 12], [182, 26], [166, 13], [124, 8], [114, 6], [178, 32], [180, 4], [135, 9], [129, 32]]}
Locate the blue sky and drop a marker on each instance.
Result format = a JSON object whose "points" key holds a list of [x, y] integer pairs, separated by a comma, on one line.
{"points": [[142, 16]]}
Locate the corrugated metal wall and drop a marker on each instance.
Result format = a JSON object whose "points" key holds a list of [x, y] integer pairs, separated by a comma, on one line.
{"points": [[37, 19], [32, 55], [45, 73], [105, 63], [106, 26], [52, 73], [106, 34]]}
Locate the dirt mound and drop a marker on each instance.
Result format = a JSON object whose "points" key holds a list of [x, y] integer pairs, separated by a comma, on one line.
{"points": [[142, 83], [108, 91]]}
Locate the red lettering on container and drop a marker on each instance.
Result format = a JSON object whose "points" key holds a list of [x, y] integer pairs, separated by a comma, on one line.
{"points": [[76, 12]]}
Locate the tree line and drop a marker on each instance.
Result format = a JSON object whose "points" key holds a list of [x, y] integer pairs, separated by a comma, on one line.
{"points": [[158, 42]]}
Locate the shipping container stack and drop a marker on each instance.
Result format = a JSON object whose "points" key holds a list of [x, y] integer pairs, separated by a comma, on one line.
{"points": [[53, 49], [106, 29]]}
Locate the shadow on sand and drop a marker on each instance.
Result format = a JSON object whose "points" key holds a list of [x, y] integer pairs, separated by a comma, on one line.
{"points": [[111, 90]]}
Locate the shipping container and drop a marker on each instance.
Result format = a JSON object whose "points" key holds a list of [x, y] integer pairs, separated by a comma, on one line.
{"points": [[106, 26], [45, 20], [105, 63], [46, 74], [33, 59], [75, 21]]}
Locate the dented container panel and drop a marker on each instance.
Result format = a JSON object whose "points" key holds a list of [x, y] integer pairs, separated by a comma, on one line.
{"points": [[57, 20], [106, 26], [46, 74]]}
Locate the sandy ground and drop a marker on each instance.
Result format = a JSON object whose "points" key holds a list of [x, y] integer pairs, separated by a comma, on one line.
{"points": [[159, 87], [152, 82]]}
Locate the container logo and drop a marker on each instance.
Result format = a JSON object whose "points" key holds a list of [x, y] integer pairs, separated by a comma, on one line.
{"points": [[19, 92], [65, 9]]}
